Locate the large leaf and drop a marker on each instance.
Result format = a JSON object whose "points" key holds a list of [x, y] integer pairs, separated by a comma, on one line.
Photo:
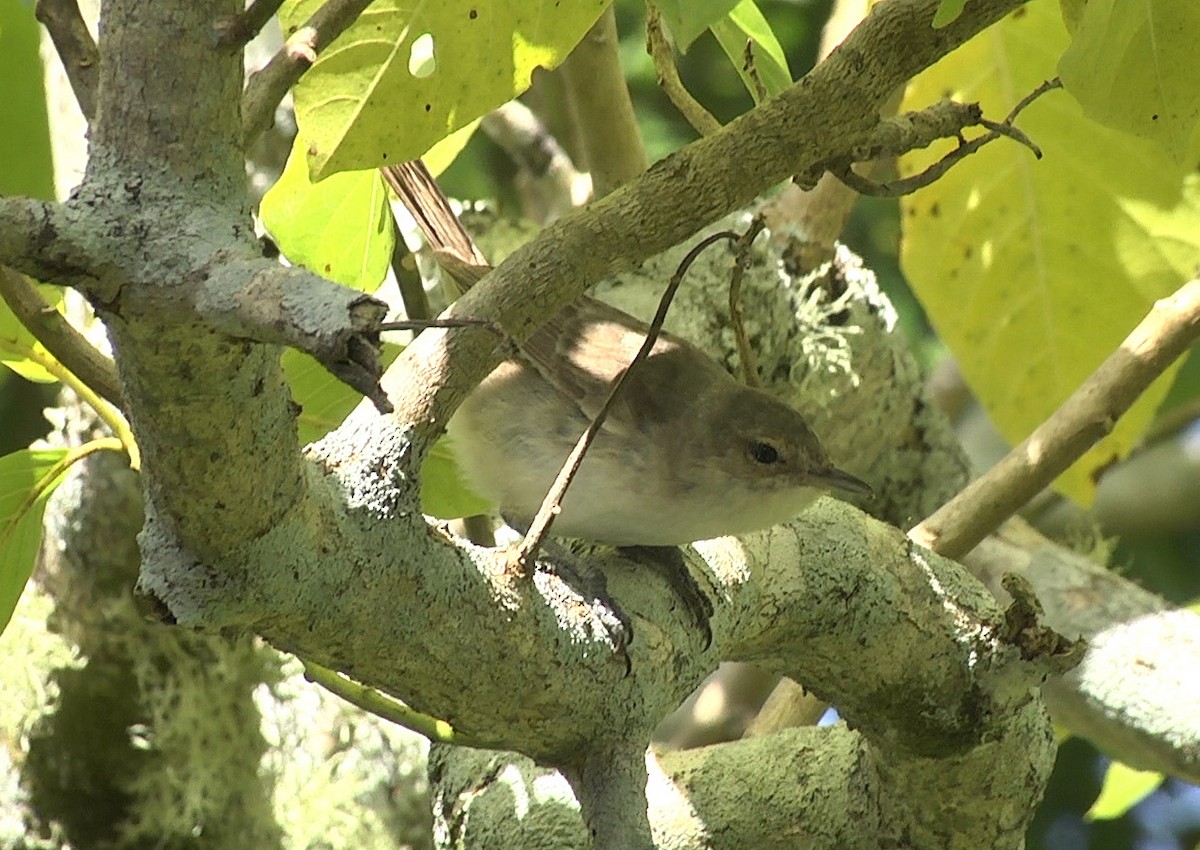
{"points": [[687, 19], [27, 478], [1034, 271], [25, 165], [408, 73], [745, 23], [340, 228], [1135, 67]]}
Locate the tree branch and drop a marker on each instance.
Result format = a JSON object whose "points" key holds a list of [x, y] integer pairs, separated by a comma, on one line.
{"points": [[549, 184], [75, 47], [238, 30], [660, 51], [61, 339], [39, 238], [1131, 696], [599, 98], [267, 87]]}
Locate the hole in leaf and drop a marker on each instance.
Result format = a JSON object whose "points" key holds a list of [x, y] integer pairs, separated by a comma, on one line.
{"points": [[421, 61]]}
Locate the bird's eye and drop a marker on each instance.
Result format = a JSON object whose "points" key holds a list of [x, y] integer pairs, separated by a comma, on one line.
{"points": [[764, 453]]}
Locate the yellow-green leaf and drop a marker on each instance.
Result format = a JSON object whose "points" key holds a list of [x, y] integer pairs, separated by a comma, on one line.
{"points": [[1135, 67], [438, 158], [17, 344], [27, 478], [746, 23], [1123, 789], [324, 400], [1034, 271], [340, 228], [687, 19], [405, 75]]}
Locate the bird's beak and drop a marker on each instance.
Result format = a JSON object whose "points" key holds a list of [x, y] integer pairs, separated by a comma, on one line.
{"points": [[835, 479]]}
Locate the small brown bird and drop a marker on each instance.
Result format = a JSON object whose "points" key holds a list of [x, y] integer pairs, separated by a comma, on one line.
{"points": [[686, 452]]}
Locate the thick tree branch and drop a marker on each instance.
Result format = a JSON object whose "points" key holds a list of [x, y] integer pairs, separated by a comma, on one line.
{"points": [[46, 241], [1133, 696]]}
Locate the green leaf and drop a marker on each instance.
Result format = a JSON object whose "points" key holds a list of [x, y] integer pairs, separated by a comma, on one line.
{"points": [[340, 228], [687, 19], [947, 12], [19, 349], [1123, 789], [746, 23], [438, 158], [1033, 271], [443, 492], [405, 76], [27, 478], [324, 400], [25, 164], [1135, 67]]}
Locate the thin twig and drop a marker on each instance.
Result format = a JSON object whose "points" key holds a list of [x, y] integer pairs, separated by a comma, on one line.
{"points": [[408, 279], [267, 87], [381, 705], [660, 51], [52, 330], [844, 172], [552, 504], [425, 324], [1048, 85], [1009, 131], [1083, 419], [75, 46], [760, 91], [239, 30], [742, 260]]}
